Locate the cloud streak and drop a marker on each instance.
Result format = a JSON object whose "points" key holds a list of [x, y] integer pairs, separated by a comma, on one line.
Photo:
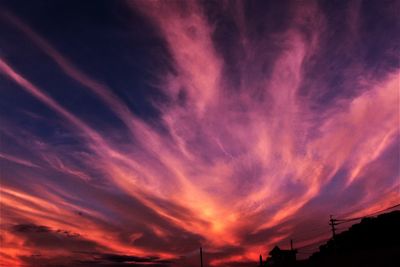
{"points": [[254, 141]]}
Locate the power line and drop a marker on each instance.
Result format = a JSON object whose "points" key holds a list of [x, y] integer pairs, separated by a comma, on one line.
{"points": [[368, 215], [317, 229], [309, 234], [334, 222], [317, 243]]}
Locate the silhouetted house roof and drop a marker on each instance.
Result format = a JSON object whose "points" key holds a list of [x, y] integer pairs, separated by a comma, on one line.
{"points": [[279, 257]]}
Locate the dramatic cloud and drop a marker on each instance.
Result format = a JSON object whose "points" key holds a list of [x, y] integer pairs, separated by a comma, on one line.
{"points": [[259, 121]]}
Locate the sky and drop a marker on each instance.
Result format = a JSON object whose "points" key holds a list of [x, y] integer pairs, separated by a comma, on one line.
{"points": [[134, 132]]}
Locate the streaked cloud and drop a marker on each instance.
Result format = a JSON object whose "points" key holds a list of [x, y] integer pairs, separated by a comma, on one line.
{"points": [[261, 132]]}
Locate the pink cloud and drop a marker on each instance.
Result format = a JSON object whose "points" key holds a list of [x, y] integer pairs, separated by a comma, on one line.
{"points": [[231, 163]]}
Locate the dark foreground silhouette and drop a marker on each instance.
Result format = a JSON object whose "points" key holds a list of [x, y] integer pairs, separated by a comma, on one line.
{"points": [[374, 242]]}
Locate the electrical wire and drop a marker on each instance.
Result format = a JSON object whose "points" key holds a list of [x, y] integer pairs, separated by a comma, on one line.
{"points": [[337, 222], [365, 216]]}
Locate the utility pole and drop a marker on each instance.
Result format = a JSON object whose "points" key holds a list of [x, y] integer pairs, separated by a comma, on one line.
{"points": [[260, 260], [291, 244], [201, 256], [332, 223]]}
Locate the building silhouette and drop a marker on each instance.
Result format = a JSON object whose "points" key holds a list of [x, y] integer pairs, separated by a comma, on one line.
{"points": [[281, 257], [373, 242]]}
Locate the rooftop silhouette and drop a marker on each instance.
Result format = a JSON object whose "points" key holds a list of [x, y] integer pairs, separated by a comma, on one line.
{"points": [[373, 242]]}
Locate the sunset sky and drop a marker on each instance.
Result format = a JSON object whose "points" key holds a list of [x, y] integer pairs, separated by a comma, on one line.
{"points": [[134, 132]]}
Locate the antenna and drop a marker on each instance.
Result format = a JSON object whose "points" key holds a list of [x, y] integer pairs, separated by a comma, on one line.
{"points": [[201, 256]]}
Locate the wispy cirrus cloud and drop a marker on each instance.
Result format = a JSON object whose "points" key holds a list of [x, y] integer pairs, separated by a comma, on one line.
{"points": [[261, 127]]}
